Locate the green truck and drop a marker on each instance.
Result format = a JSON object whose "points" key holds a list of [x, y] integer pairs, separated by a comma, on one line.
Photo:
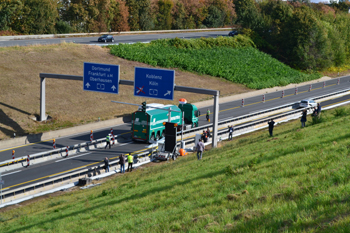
{"points": [[147, 123]]}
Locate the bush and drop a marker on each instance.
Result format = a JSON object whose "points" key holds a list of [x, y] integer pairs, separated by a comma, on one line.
{"points": [[340, 112], [63, 27]]}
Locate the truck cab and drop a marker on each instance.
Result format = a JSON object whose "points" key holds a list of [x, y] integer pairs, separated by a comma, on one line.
{"points": [[191, 114]]}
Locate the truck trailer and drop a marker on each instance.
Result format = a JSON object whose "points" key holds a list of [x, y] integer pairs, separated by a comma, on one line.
{"points": [[147, 124]]}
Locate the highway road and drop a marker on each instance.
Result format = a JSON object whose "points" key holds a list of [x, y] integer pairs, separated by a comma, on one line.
{"points": [[118, 38], [39, 172]]}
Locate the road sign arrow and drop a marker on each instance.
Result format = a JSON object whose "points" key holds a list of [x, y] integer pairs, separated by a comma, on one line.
{"points": [[87, 85], [113, 87], [168, 93]]}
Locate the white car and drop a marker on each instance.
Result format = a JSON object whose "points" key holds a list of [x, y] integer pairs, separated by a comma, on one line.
{"points": [[307, 103]]}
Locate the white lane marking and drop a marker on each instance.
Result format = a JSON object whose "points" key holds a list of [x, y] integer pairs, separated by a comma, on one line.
{"points": [[73, 157], [125, 143], [11, 173]]}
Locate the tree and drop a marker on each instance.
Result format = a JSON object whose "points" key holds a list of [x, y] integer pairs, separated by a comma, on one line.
{"points": [[179, 16], [9, 13], [248, 15], [139, 14], [215, 18], [37, 17], [121, 15], [164, 14]]}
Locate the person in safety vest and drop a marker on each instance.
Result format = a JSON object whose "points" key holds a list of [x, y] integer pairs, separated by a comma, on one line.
{"points": [[108, 141], [207, 116], [130, 162]]}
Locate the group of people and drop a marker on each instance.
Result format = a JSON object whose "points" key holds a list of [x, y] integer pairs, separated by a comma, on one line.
{"points": [[315, 113], [122, 160], [206, 135]]}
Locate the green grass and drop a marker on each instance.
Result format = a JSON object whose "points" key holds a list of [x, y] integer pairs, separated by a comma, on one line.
{"points": [[234, 59], [297, 181]]}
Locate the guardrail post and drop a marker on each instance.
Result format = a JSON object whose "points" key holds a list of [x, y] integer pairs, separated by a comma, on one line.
{"points": [[263, 100], [296, 91], [242, 105], [54, 143], [112, 135], [310, 87], [338, 81], [324, 84], [91, 136], [67, 149], [28, 161], [282, 94]]}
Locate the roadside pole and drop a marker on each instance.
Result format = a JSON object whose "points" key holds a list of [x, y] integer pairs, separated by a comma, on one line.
{"points": [[216, 120]]}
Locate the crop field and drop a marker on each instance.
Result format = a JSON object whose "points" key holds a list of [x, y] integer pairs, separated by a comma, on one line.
{"points": [[296, 181], [234, 59]]}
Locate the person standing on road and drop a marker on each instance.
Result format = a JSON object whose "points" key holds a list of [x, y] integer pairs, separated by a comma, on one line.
{"points": [[230, 132], [108, 141], [122, 163], [130, 162], [207, 116], [106, 164], [271, 124], [303, 118], [200, 149]]}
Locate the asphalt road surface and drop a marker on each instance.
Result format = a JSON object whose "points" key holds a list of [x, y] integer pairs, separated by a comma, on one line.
{"points": [[39, 172], [117, 38]]}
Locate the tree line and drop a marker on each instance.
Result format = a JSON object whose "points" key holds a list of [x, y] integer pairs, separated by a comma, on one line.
{"points": [[303, 35], [68, 16]]}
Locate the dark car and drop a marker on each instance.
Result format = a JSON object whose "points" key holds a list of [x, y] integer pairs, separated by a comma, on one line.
{"points": [[233, 33], [106, 38]]}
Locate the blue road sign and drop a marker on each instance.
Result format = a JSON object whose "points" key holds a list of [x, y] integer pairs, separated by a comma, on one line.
{"points": [[101, 78], [154, 83]]}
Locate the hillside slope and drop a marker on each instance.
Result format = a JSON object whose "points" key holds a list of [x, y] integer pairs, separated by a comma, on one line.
{"points": [[297, 181]]}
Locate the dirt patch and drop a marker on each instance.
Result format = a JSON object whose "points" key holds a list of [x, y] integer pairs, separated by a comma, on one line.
{"points": [[66, 102]]}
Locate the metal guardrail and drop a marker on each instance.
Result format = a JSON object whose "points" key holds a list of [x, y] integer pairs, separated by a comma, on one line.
{"points": [[231, 120], [74, 174], [52, 152]]}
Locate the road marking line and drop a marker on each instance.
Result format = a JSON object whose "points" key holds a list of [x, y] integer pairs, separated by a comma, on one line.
{"points": [[11, 173], [25, 145], [72, 157]]}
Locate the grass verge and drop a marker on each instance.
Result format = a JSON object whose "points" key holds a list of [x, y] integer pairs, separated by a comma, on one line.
{"points": [[297, 181]]}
